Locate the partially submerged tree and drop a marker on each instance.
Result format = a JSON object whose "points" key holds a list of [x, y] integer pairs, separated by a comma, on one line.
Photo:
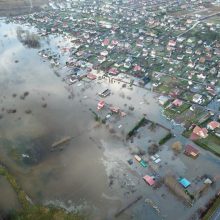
{"points": [[153, 149], [177, 147]]}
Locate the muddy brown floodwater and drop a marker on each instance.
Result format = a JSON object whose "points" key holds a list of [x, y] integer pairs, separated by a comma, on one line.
{"points": [[72, 176]]}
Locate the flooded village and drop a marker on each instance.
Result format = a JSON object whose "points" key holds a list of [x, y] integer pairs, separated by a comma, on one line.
{"points": [[110, 109]]}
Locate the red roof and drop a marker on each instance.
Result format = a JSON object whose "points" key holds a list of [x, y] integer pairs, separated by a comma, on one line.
{"points": [[113, 71], [137, 68], [101, 104], [106, 42], [149, 180], [213, 125], [91, 76], [201, 132], [177, 102]]}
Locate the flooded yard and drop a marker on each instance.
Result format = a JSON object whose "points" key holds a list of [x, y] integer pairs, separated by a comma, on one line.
{"points": [[89, 173]]}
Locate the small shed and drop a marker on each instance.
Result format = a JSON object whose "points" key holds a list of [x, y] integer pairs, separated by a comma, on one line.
{"points": [[137, 158], [158, 160], [184, 182], [149, 180]]}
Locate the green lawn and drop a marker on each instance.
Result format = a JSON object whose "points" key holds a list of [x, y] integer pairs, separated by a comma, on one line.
{"points": [[211, 143], [173, 112], [163, 88]]}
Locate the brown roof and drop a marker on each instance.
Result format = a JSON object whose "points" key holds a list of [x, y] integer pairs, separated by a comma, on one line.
{"points": [[190, 150]]}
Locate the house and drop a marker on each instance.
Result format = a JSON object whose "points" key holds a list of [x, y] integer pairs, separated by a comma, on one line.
{"points": [[101, 59], [149, 180], [184, 182], [201, 76], [127, 65], [189, 51], [137, 68], [114, 42], [104, 53], [113, 71], [201, 132], [172, 43], [145, 52], [137, 158], [105, 42], [197, 98], [91, 76], [191, 151], [202, 60], [177, 102], [163, 99], [213, 125], [191, 64], [115, 109], [175, 92]]}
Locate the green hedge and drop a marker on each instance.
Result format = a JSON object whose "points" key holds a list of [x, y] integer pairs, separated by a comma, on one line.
{"points": [[166, 138], [138, 125]]}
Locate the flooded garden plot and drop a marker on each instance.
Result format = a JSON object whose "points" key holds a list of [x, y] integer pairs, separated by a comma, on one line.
{"points": [[148, 134]]}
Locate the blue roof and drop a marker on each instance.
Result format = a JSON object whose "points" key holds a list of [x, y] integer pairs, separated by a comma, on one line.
{"points": [[184, 182]]}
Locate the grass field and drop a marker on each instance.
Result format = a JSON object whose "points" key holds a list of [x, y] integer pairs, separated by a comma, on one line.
{"points": [[211, 143], [175, 111], [212, 210], [30, 211]]}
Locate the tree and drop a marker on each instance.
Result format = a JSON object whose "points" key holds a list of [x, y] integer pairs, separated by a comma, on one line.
{"points": [[153, 126], [177, 147]]}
